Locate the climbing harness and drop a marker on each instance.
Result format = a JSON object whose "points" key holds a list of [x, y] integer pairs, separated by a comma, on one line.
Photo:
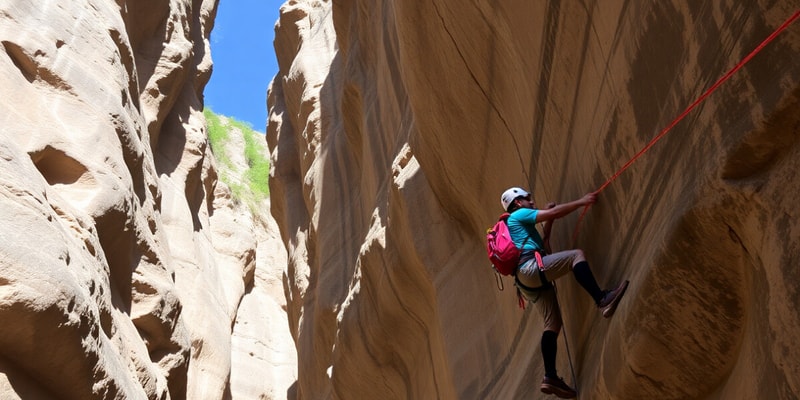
{"points": [[525, 292]]}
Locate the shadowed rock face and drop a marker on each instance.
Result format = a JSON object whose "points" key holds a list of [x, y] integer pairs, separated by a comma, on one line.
{"points": [[394, 127], [123, 264]]}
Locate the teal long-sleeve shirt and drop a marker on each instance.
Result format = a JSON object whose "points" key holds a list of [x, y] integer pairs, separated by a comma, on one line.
{"points": [[521, 225]]}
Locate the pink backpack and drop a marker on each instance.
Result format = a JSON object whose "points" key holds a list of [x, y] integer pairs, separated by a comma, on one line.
{"points": [[502, 252]]}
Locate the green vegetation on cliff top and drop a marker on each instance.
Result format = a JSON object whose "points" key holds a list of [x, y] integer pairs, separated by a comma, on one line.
{"points": [[250, 185]]}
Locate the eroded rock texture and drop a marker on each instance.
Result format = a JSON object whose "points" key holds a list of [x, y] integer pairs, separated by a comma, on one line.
{"points": [[123, 265], [395, 125]]}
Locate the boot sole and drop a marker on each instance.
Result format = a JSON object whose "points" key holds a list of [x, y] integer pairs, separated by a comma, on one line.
{"points": [[609, 310], [561, 393]]}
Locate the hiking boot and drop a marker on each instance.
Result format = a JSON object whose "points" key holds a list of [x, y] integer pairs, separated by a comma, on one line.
{"points": [[609, 303], [557, 387]]}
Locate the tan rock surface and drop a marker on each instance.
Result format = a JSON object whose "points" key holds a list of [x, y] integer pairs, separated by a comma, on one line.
{"points": [[122, 264], [394, 127], [263, 358]]}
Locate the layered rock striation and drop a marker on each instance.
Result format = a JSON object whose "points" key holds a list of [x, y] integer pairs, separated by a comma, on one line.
{"points": [[125, 270], [394, 127]]}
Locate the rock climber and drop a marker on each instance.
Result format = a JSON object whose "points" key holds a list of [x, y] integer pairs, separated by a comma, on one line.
{"points": [[534, 280]]}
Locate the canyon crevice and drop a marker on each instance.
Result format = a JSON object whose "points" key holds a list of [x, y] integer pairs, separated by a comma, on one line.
{"points": [[127, 270]]}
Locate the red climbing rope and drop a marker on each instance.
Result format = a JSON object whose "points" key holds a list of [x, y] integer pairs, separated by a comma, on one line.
{"points": [[699, 100]]}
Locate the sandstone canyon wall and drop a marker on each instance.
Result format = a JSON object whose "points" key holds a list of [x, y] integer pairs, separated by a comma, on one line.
{"points": [[126, 270], [395, 125]]}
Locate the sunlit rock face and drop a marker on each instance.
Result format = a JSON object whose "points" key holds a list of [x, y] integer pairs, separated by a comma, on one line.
{"points": [[122, 263], [394, 126]]}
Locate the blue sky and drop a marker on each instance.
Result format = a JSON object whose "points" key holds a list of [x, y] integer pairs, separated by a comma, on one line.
{"points": [[244, 59]]}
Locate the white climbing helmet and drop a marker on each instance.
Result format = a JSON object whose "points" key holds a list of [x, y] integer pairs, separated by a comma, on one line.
{"points": [[510, 195]]}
